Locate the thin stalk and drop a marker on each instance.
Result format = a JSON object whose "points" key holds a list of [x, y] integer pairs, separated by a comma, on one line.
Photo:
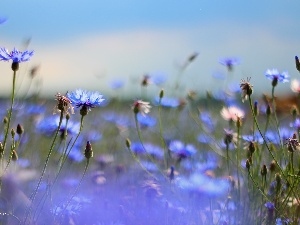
{"points": [[166, 156], [10, 110], [45, 167]]}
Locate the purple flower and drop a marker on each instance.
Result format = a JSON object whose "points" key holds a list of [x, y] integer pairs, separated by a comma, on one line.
{"points": [[3, 20], [85, 99], [15, 55], [207, 120], [181, 150], [276, 77], [270, 205], [168, 102], [116, 84], [229, 62], [146, 121]]}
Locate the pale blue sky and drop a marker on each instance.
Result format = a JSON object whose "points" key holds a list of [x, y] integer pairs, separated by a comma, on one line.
{"points": [[89, 44]]}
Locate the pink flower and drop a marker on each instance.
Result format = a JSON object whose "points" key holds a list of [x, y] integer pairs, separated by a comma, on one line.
{"points": [[232, 113]]}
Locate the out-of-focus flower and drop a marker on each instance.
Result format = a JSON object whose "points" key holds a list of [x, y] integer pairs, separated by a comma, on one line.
{"points": [[3, 20], [168, 102], [116, 84], [229, 62], [295, 86], [49, 125], [246, 88], [147, 148], [146, 120], [204, 185], [158, 78], [293, 144], [142, 107], [207, 120], [180, 150], [232, 113], [281, 221], [275, 76], [146, 80], [85, 99], [15, 56]]}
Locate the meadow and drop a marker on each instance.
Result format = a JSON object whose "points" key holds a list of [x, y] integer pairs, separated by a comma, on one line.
{"points": [[175, 158]]}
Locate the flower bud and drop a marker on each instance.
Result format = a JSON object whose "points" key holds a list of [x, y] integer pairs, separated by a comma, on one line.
{"points": [[20, 129], [12, 132], [264, 170], [14, 155], [161, 93], [88, 152], [128, 143]]}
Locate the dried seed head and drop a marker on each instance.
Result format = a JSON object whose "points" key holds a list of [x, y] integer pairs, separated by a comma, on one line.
{"points": [[264, 170], [63, 105]]}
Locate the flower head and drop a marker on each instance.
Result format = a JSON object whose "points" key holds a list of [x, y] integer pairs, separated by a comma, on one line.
{"points": [[295, 86], [64, 104], [229, 62], [3, 20], [276, 77], [15, 55], [232, 113], [85, 99], [246, 88], [142, 107]]}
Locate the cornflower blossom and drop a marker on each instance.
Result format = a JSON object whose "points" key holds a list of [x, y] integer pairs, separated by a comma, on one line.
{"points": [[275, 76], [229, 62], [295, 86], [116, 84], [146, 121], [232, 113], [168, 102], [15, 55], [85, 99], [246, 88], [180, 150], [3, 20], [142, 107]]}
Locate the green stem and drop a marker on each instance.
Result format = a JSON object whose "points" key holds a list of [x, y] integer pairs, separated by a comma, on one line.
{"points": [[45, 167], [166, 156], [10, 110]]}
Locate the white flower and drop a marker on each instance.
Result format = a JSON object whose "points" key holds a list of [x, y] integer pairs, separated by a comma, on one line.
{"points": [[232, 113], [295, 86], [142, 107]]}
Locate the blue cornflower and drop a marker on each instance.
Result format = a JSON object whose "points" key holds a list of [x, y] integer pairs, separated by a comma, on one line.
{"points": [[280, 221], [168, 102], [229, 62], [270, 205], [3, 20], [49, 125], [15, 55], [85, 99], [276, 77], [180, 150], [116, 84], [158, 78], [207, 120], [146, 121]]}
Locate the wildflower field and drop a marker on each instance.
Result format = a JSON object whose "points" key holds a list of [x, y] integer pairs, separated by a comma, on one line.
{"points": [[175, 158]]}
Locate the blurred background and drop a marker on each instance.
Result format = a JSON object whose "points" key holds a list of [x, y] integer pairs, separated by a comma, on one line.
{"points": [[105, 45]]}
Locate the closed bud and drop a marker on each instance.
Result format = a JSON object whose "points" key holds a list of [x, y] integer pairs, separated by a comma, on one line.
{"points": [[88, 152], [68, 116], [251, 147], [161, 93], [20, 129], [128, 143], [1, 150], [297, 63], [272, 166], [14, 155], [13, 133], [264, 170], [5, 120]]}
